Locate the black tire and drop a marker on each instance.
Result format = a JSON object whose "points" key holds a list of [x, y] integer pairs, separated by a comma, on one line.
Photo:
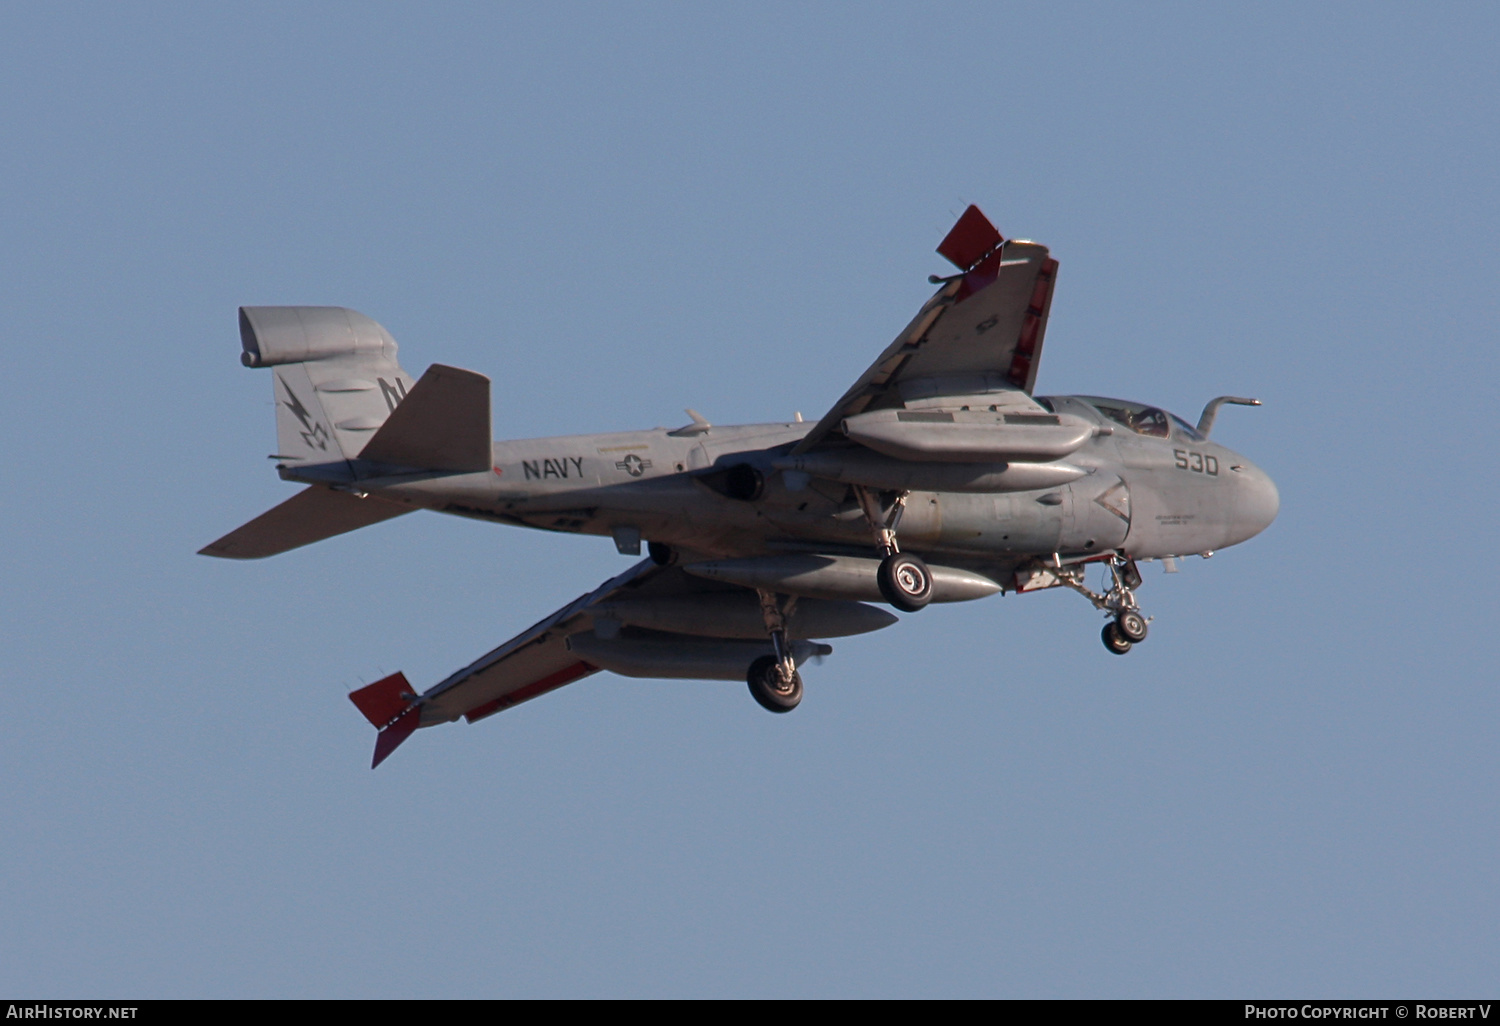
{"points": [[1132, 626], [905, 581], [766, 687], [1114, 640], [661, 554]]}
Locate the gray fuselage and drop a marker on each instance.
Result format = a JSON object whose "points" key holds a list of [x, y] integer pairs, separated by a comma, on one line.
{"points": [[1144, 495]]}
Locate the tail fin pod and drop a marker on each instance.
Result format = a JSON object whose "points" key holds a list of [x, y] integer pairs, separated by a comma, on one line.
{"points": [[336, 377]]}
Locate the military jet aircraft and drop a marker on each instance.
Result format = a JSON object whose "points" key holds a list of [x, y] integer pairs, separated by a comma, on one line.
{"points": [[938, 477]]}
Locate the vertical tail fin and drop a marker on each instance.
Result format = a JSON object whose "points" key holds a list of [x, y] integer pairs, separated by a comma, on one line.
{"points": [[337, 387], [336, 377], [443, 425]]}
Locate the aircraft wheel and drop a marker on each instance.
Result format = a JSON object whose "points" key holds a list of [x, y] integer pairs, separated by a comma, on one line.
{"points": [[905, 581], [1132, 626], [1114, 640], [767, 687]]}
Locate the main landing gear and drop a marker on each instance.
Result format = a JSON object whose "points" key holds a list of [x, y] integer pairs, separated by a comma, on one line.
{"points": [[773, 679], [903, 577], [1128, 626]]}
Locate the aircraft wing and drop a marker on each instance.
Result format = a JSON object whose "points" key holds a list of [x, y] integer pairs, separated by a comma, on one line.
{"points": [[532, 663], [981, 331]]}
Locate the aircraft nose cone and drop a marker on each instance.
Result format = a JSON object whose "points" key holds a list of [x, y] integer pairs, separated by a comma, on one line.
{"points": [[1258, 501]]}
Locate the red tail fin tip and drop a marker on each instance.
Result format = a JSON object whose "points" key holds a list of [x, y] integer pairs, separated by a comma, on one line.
{"points": [[384, 700], [970, 238]]}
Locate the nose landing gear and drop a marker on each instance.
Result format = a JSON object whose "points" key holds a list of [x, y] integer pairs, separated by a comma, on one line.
{"points": [[1132, 626], [1128, 626]]}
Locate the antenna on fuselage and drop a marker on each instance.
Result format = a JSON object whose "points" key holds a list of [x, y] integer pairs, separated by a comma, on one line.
{"points": [[699, 426], [1211, 411]]}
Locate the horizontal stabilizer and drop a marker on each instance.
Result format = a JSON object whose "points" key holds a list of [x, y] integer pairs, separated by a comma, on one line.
{"points": [[311, 515], [384, 700], [442, 424]]}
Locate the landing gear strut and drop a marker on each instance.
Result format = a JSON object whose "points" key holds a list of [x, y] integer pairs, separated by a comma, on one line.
{"points": [[1128, 626], [773, 679], [903, 577]]}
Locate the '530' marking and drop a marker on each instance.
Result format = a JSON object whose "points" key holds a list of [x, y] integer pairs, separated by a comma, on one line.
{"points": [[1197, 462]]}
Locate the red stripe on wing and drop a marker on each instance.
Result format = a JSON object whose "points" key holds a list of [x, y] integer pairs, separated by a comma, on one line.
{"points": [[566, 675], [1031, 327]]}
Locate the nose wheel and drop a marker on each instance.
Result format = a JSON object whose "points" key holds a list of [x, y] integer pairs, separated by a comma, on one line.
{"points": [[1124, 632], [1128, 625], [1128, 628], [1131, 626]]}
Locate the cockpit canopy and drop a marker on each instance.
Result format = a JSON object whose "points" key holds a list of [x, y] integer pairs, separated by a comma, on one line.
{"points": [[1142, 419]]}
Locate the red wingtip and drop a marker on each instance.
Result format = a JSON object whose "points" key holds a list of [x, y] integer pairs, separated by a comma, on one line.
{"points": [[971, 238], [384, 700], [389, 739]]}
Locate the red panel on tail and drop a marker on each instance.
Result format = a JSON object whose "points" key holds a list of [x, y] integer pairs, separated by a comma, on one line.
{"points": [[971, 238], [384, 700], [391, 737]]}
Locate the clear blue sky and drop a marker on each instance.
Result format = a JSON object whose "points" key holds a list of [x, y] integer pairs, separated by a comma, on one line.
{"points": [[617, 211]]}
